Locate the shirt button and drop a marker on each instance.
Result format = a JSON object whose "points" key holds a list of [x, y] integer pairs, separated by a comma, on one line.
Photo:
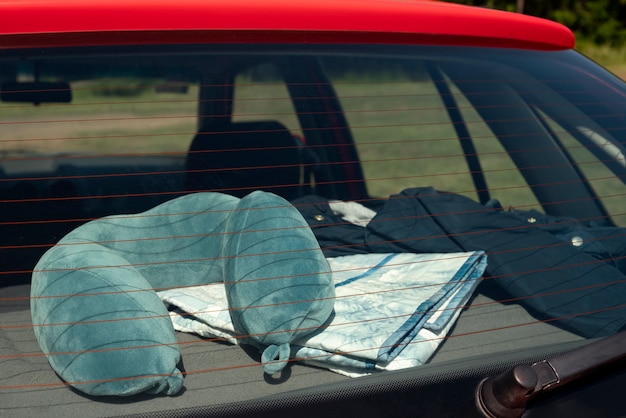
{"points": [[319, 218], [577, 241]]}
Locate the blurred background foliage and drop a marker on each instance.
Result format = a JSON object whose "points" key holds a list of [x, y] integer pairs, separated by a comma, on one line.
{"points": [[600, 22]]}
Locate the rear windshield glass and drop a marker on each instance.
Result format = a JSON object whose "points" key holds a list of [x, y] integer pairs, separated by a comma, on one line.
{"points": [[495, 178]]}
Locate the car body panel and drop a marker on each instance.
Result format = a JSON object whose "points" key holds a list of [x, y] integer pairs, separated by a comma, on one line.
{"points": [[75, 22]]}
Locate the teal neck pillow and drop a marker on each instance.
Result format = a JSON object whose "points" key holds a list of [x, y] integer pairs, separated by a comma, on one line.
{"points": [[101, 325], [278, 282]]}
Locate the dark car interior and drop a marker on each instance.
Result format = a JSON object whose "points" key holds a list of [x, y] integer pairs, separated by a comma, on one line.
{"points": [[223, 156], [49, 186]]}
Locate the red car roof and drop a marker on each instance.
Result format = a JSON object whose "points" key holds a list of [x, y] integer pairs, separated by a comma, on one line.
{"points": [[87, 22]]}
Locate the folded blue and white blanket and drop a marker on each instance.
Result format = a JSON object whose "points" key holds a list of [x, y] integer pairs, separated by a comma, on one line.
{"points": [[392, 311]]}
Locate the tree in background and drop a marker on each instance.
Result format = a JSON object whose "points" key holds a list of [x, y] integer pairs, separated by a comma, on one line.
{"points": [[602, 22]]}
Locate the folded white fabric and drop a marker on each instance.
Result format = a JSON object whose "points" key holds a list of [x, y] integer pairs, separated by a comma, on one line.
{"points": [[392, 311]]}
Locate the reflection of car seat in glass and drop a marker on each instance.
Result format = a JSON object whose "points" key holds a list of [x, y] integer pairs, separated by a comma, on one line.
{"points": [[241, 157]]}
